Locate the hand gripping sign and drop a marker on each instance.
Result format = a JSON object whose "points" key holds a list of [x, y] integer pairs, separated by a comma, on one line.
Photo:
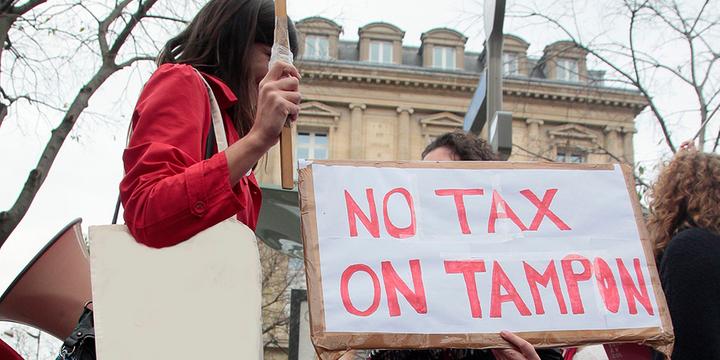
{"points": [[446, 255]]}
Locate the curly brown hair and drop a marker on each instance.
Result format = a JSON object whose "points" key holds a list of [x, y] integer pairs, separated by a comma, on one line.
{"points": [[687, 191], [466, 146]]}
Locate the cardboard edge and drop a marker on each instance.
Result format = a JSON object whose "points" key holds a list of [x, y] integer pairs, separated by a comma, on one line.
{"points": [[340, 342], [308, 229], [501, 165], [667, 328]]}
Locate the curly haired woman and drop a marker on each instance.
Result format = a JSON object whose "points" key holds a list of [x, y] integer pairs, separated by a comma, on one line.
{"points": [[684, 225]]}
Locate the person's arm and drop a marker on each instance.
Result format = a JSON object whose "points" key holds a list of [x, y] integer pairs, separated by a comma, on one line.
{"points": [[278, 99], [169, 192]]}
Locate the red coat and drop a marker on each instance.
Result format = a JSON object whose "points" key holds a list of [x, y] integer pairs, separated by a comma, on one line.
{"points": [[169, 193]]}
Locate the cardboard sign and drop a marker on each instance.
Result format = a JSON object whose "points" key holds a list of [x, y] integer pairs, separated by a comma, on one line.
{"points": [[446, 255]]}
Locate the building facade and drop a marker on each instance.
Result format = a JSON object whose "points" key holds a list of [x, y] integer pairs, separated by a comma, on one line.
{"points": [[377, 99]]}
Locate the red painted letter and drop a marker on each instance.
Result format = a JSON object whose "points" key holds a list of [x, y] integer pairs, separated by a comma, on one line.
{"points": [[607, 285], [393, 283], [631, 291], [353, 210], [550, 275], [468, 268], [505, 212], [543, 209], [396, 232], [572, 279], [457, 195], [500, 279], [345, 295]]}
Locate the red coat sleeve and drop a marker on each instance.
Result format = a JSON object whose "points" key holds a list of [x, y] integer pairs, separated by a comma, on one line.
{"points": [[169, 193]]}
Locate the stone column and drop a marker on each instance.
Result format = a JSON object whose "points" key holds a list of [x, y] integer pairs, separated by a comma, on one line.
{"points": [[628, 149], [332, 139], [403, 132], [356, 130], [612, 142], [425, 135], [533, 138]]}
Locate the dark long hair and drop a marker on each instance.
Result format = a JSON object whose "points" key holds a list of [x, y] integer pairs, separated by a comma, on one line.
{"points": [[218, 42]]}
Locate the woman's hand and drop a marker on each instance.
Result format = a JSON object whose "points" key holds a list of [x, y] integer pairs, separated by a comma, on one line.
{"points": [[522, 350], [278, 101]]}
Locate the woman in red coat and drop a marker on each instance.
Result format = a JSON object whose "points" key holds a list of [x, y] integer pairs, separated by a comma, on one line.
{"points": [[171, 189]]}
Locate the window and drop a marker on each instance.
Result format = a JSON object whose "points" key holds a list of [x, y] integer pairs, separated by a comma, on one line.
{"points": [[567, 70], [316, 47], [312, 145], [381, 52], [510, 63], [575, 156], [444, 57]]}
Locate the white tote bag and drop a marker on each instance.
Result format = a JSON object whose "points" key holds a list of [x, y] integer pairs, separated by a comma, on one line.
{"points": [[200, 299]]}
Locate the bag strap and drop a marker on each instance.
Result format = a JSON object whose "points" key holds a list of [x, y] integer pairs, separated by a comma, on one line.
{"points": [[216, 135], [217, 120]]}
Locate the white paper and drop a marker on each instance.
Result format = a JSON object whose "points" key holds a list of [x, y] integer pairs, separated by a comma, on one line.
{"points": [[594, 204]]}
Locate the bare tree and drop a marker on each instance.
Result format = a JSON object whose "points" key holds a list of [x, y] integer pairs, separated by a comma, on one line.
{"points": [[636, 62], [30, 343], [280, 274], [49, 43]]}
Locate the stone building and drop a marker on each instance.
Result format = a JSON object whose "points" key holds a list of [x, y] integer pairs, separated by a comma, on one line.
{"points": [[377, 99]]}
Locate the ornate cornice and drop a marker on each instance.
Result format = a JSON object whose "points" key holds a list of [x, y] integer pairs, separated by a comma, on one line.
{"points": [[466, 82]]}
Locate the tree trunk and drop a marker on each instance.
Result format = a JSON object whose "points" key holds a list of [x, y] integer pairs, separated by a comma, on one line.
{"points": [[10, 219]]}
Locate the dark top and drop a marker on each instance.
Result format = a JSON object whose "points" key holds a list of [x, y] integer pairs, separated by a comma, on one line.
{"points": [[453, 354], [690, 276]]}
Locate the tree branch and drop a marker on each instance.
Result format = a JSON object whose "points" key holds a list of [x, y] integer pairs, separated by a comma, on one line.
{"points": [[636, 83], [168, 18], [11, 218], [24, 8], [127, 30], [108, 56], [532, 153], [699, 16], [133, 60], [104, 25]]}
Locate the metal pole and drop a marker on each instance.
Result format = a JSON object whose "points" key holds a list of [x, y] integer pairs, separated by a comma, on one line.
{"points": [[494, 94]]}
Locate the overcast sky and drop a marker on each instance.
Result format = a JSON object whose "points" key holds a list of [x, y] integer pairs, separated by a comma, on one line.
{"points": [[83, 181]]}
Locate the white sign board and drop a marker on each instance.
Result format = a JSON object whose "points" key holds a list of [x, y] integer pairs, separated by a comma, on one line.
{"points": [[426, 250]]}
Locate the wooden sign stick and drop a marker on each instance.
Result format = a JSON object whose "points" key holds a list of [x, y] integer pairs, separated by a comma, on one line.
{"points": [[286, 147]]}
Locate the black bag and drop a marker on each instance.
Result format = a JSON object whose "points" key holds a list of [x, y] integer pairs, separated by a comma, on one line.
{"points": [[80, 345]]}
